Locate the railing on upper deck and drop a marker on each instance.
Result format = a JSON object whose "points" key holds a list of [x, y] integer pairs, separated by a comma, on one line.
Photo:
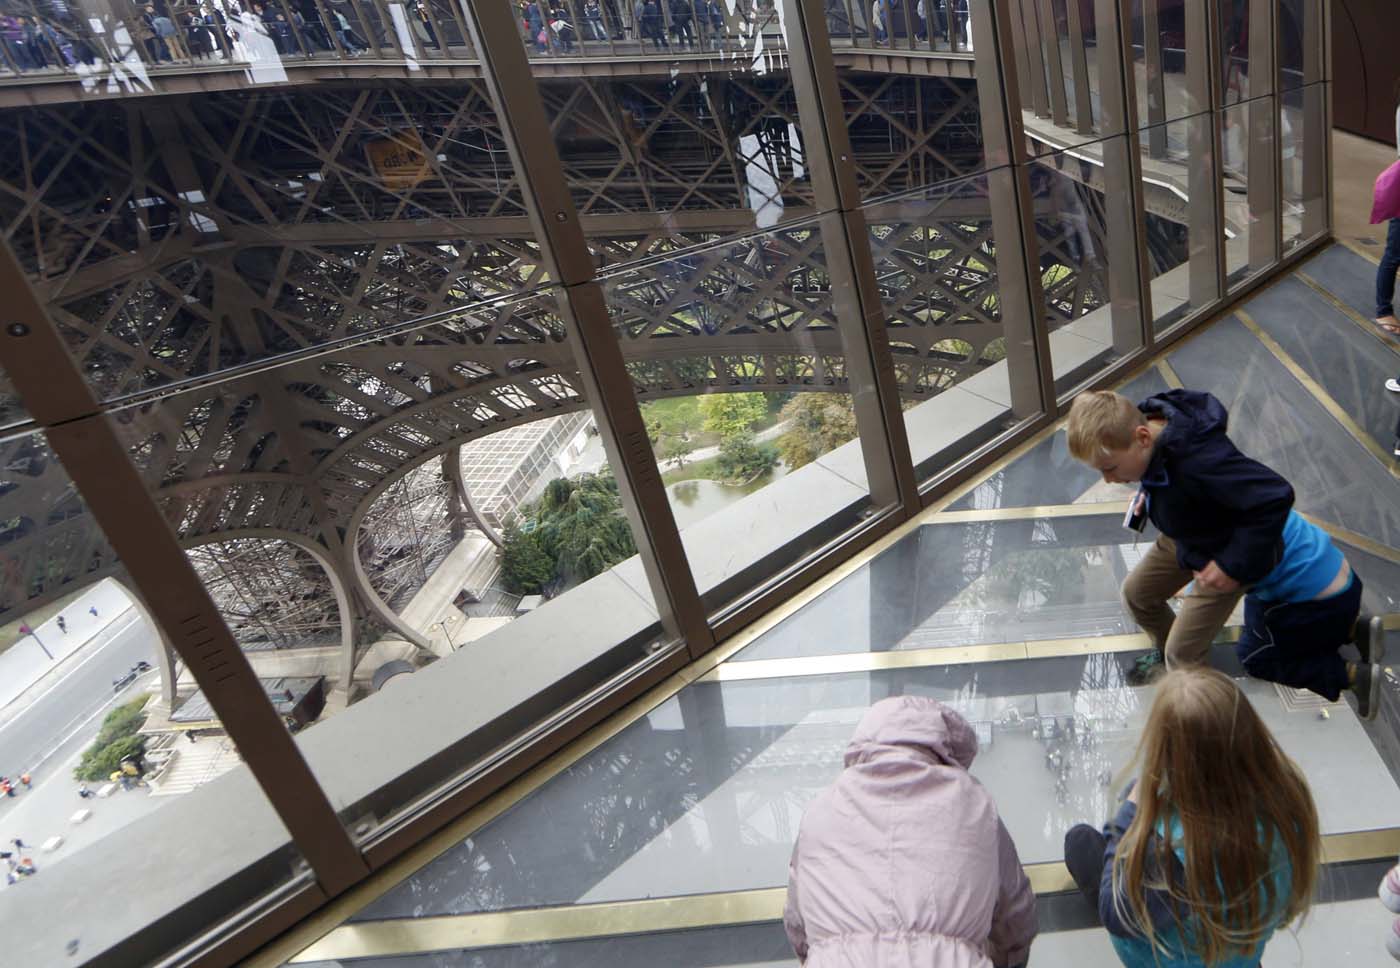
{"points": [[55, 37]]}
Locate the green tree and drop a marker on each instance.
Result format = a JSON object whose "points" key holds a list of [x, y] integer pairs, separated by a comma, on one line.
{"points": [[675, 450], [99, 763], [525, 566], [817, 423], [574, 531], [728, 414], [116, 740], [742, 458]]}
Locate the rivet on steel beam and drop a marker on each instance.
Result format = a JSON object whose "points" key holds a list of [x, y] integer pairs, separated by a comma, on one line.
{"points": [[17, 329]]}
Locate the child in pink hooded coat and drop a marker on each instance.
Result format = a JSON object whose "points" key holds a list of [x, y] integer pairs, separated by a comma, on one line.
{"points": [[904, 861]]}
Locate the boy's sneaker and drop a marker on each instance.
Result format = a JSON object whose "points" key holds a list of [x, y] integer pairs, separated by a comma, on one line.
{"points": [[1146, 668], [1389, 890], [1367, 689], [1393, 384], [1369, 636]]}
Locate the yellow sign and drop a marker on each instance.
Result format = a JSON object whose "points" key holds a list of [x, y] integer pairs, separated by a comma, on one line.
{"points": [[399, 160]]}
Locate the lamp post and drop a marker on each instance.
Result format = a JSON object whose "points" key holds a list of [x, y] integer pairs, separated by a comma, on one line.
{"points": [[26, 630], [446, 633]]}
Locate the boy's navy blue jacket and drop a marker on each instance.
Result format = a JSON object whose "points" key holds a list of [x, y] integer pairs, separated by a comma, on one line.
{"points": [[1213, 501]]}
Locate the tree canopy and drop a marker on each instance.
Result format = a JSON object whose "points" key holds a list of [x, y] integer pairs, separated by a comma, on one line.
{"points": [[817, 423], [576, 530]]}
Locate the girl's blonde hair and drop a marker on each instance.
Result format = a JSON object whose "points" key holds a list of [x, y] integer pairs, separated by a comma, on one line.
{"points": [[1207, 761]]}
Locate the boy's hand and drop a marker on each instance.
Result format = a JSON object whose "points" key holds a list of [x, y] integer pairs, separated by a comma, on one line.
{"points": [[1213, 577]]}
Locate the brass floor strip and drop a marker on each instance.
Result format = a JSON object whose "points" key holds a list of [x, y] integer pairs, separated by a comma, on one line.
{"points": [[1088, 509], [1169, 375], [1367, 325], [579, 922], [542, 925], [1320, 394], [844, 662]]}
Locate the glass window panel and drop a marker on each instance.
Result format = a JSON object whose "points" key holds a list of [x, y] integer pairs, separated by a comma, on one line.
{"points": [[1159, 43], [1247, 147], [1302, 112], [936, 260], [328, 336], [1063, 105], [450, 478], [738, 355], [98, 775], [1087, 248], [1181, 238]]}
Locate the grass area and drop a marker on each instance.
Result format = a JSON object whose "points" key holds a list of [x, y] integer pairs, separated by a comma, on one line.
{"points": [[9, 633], [700, 470], [681, 416]]}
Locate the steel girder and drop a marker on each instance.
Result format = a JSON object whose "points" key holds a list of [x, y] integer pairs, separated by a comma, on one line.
{"points": [[289, 331]]}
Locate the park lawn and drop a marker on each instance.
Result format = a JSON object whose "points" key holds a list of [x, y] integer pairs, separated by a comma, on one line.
{"points": [[700, 470]]}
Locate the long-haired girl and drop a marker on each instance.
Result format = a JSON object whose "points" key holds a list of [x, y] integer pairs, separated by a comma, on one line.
{"points": [[1217, 844]]}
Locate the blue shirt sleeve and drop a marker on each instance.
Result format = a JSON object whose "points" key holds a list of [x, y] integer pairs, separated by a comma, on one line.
{"points": [[1160, 906]]}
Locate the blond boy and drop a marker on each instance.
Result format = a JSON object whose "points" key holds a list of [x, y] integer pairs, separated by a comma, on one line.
{"points": [[1227, 527]]}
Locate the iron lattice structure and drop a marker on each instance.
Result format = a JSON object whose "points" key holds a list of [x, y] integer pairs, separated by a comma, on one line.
{"points": [[185, 245]]}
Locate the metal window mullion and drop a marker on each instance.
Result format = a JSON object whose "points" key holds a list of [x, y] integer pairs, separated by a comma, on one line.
{"points": [[1129, 298], [1156, 79], [1054, 66], [1205, 251], [1079, 66], [602, 369], [1218, 90], [860, 317], [1324, 42], [1020, 296], [1313, 148], [92, 454], [1022, 37], [1262, 190], [1035, 40]]}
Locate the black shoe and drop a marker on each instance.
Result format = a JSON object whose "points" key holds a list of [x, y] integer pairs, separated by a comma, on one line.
{"points": [[1146, 669], [1367, 689], [1369, 636], [1084, 848]]}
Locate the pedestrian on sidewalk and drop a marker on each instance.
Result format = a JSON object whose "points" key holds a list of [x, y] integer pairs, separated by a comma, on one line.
{"points": [[8, 789], [1228, 529], [63, 625], [24, 778], [19, 844], [93, 611]]}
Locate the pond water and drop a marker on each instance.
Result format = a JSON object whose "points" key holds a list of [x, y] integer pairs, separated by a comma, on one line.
{"points": [[692, 501]]}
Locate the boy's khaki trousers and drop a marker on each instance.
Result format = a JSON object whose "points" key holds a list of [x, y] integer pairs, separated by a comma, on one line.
{"points": [[1183, 638]]}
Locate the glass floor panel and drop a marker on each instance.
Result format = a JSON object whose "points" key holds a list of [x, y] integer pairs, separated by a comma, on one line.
{"points": [[705, 794]]}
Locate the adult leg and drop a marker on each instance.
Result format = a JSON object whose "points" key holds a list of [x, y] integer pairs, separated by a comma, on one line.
{"points": [[1385, 278]]}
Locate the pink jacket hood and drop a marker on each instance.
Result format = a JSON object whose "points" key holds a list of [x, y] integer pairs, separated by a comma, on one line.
{"points": [[903, 862], [913, 723]]}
